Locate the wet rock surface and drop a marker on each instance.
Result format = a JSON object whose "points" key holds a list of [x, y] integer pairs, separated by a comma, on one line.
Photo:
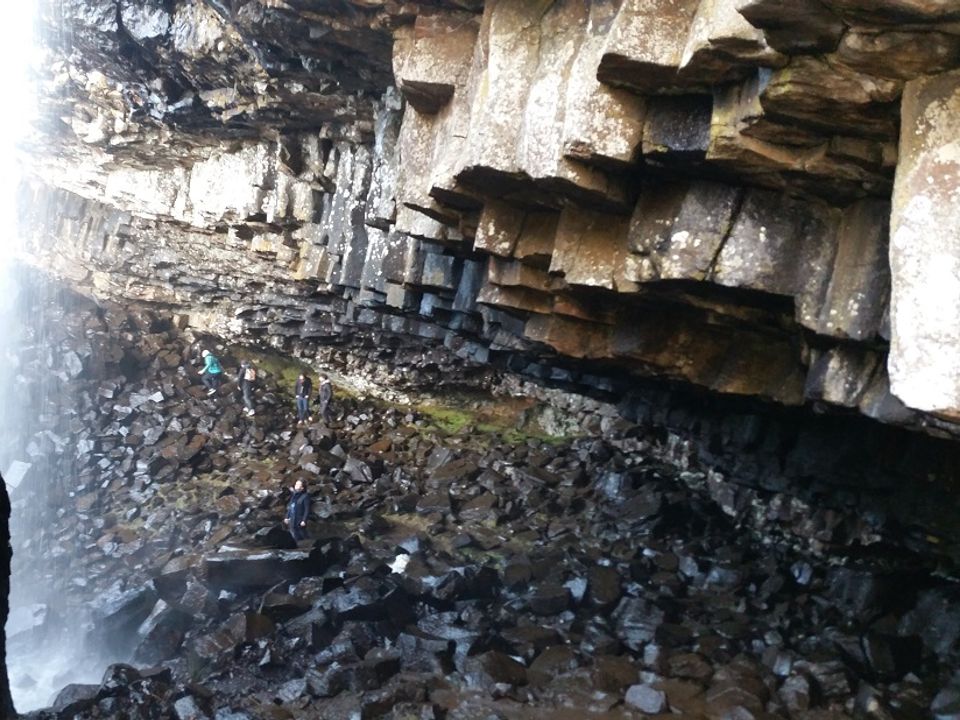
{"points": [[700, 191], [445, 575]]}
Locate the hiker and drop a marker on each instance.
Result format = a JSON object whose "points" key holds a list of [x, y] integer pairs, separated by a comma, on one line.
{"points": [[298, 509], [302, 391], [212, 372], [325, 397], [248, 375]]}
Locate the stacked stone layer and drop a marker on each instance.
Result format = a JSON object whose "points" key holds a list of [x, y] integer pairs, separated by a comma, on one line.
{"points": [[699, 190]]}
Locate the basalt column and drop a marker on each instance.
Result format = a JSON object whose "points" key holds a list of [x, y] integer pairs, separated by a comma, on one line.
{"points": [[925, 249]]}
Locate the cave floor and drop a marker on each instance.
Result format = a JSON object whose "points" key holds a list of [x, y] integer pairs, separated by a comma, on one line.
{"points": [[459, 564]]}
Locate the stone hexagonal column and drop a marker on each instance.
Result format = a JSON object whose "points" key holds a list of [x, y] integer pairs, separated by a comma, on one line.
{"points": [[925, 249]]}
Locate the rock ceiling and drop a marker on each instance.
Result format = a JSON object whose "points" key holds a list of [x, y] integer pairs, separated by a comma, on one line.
{"points": [[757, 197]]}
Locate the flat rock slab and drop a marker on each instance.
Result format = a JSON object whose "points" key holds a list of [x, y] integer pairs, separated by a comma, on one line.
{"points": [[242, 568]]}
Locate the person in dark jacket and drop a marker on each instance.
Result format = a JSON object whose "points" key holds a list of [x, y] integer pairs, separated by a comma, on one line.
{"points": [[298, 510], [212, 372], [302, 391], [248, 376], [326, 397]]}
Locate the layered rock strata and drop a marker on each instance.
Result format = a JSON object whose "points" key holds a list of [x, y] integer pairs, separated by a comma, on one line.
{"points": [[751, 198], [431, 347], [697, 190]]}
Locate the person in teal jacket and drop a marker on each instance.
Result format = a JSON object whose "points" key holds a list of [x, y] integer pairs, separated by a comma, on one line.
{"points": [[212, 372]]}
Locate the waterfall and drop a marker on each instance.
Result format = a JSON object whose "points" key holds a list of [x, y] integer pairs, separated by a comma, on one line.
{"points": [[46, 647], [45, 631]]}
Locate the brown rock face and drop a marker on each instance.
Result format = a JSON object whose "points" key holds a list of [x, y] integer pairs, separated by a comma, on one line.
{"points": [[753, 198], [698, 190]]}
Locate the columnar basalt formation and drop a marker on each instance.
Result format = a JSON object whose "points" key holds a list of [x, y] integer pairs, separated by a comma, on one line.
{"points": [[697, 190], [452, 571], [925, 256], [658, 200]]}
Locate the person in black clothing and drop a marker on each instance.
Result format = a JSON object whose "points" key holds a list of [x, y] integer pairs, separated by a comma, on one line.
{"points": [[325, 397], [302, 391], [298, 509]]}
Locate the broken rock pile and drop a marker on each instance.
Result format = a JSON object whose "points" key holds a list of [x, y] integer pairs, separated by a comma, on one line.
{"points": [[472, 575]]}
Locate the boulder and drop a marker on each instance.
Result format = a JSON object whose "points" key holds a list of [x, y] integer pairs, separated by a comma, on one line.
{"points": [[233, 567], [490, 668], [646, 699], [74, 699]]}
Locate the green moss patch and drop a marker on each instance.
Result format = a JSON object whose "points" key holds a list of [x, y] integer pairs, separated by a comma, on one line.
{"points": [[281, 368], [448, 420], [462, 413], [485, 417]]}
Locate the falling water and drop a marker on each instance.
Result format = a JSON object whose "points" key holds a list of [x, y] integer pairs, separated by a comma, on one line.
{"points": [[46, 647], [47, 624]]}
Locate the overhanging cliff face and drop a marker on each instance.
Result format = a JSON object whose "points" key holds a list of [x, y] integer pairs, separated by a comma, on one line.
{"points": [[699, 190]]}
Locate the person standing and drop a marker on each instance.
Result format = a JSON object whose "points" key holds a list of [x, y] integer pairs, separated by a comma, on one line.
{"points": [[212, 372], [298, 510], [248, 376], [325, 397], [302, 391]]}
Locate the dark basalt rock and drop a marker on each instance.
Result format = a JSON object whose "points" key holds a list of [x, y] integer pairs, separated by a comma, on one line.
{"points": [[161, 634], [946, 703], [275, 536], [385, 662], [551, 663], [637, 621], [119, 613], [170, 581], [491, 668], [6, 702], [549, 599], [291, 690], [365, 600], [604, 587], [196, 599], [280, 607], [337, 678], [117, 678], [235, 568], [74, 699], [672, 590], [936, 619], [423, 652]]}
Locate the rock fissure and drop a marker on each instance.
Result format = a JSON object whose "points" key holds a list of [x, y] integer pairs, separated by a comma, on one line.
{"points": [[725, 232]]}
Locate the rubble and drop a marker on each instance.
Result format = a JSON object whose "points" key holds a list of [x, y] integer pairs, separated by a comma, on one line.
{"points": [[599, 573]]}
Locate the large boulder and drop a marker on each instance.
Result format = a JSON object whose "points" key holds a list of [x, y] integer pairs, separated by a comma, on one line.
{"points": [[237, 568]]}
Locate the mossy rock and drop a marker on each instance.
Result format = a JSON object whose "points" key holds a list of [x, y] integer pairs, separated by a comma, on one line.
{"points": [[283, 369], [448, 420]]}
